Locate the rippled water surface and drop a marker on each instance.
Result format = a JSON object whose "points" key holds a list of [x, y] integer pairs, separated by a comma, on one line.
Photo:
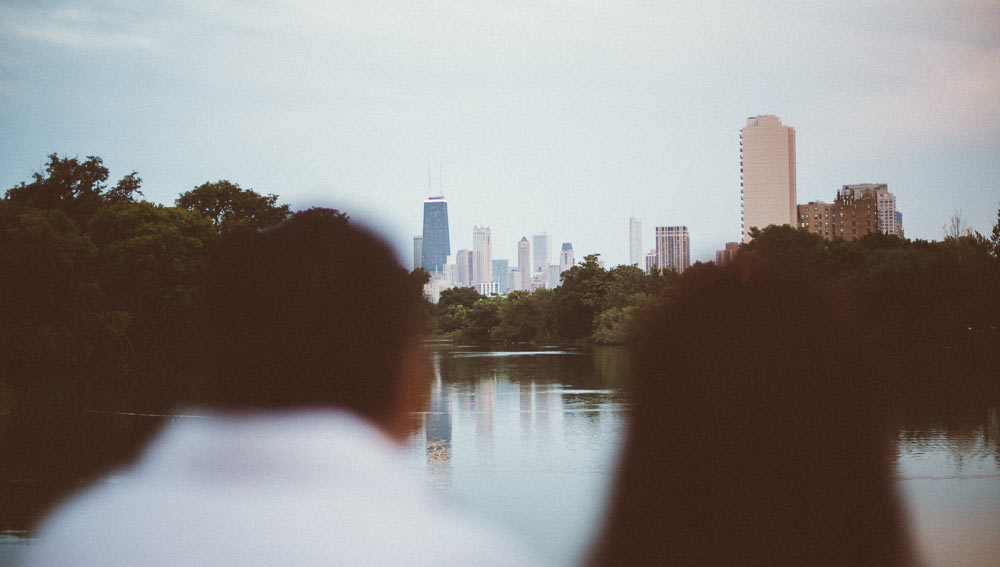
{"points": [[950, 479], [529, 438]]}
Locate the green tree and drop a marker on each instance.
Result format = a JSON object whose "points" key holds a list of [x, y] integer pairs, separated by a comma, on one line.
{"points": [[464, 296], [623, 282], [150, 258], [483, 317], [454, 320], [53, 329], [517, 319], [994, 239], [580, 297], [77, 188], [230, 207]]}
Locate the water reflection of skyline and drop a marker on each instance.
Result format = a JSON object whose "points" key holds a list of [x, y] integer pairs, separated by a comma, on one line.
{"points": [[483, 407], [437, 432]]}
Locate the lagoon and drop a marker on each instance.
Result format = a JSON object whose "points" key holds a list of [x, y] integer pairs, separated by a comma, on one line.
{"points": [[529, 439]]}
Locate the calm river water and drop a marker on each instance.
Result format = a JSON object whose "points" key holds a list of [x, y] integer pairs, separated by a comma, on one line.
{"points": [[529, 440]]}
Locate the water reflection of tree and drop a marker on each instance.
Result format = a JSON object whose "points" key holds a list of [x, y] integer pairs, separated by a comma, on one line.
{"points": [[50, 450], [967, 433]]}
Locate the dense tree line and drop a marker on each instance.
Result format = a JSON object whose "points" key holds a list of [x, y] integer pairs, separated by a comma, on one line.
{"points": [[99, 287], [99, 293], [932, 308], [592, 304]]}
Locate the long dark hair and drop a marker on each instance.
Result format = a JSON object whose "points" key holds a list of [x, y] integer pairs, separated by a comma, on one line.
{"points": [[756, 435]]}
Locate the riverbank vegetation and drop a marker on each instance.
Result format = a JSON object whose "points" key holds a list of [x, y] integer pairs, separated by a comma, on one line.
{"points": [[99, 295], [100, 289]]}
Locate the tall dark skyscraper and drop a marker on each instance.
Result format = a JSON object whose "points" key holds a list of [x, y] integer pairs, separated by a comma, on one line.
{"points": [[437, 243]]}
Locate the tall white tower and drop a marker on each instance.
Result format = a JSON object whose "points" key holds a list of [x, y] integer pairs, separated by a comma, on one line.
{"points": [[482, 255], [635, 241], [767, 174]]}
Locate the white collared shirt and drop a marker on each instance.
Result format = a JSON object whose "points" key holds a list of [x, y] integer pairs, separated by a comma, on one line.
{"points": [[320, 487]]}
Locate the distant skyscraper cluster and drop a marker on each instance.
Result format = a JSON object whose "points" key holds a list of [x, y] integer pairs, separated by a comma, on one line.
{"points": [[476, 267], [672, 251], [767, 197]]}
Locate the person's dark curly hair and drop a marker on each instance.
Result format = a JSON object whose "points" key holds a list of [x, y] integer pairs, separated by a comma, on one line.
{"points": [[312, 312]]}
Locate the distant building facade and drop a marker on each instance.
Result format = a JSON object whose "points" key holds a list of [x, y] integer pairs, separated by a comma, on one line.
{"points": [[488, 289], [501, 274], [463, 268], [859, 209], [887, 213], [635, 242], [539, 280], [727, 254], [566, 259], [650, 261], [524, 264], [482, 255], [552, 275], [767, 174], [673, 248], [418, 252], [855, 211], [818, 218], [542, 244], [435, 241]]}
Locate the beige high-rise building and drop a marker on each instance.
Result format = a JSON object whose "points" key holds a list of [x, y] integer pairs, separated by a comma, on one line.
{"points": [[482, 255], [463, 268], [767, 173]]}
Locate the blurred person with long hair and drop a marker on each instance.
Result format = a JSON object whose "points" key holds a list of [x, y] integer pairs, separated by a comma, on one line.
{"points": [[757, 433]]}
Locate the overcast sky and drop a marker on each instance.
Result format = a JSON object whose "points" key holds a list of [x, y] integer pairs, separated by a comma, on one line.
{"points": [[560, 117]]}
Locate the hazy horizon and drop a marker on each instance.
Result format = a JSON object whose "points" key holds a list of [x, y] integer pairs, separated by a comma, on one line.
{"points": [[531, 117]]}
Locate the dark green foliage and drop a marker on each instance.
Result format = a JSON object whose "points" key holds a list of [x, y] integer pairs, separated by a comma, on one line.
{"points": [[102, 288], [76, 188], [580, 298], [231, 207], [931, 308], [457, 296], [591, 304]]}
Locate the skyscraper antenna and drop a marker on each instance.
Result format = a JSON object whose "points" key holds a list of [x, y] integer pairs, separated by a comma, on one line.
{"points": [[429, 190], [441, 175]]}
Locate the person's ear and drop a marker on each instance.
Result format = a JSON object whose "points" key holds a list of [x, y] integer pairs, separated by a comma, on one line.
{"points": [[413, 377]]}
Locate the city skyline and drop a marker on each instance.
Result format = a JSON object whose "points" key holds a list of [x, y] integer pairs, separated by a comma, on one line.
{"points": [[529, 117]]}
